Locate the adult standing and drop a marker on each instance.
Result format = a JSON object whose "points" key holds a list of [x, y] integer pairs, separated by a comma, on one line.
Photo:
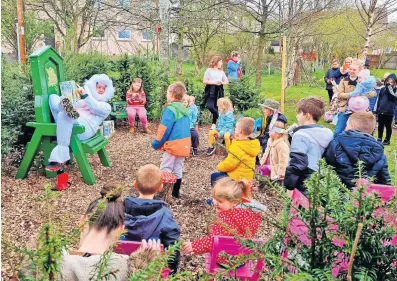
{"points": [[385, 107], [347, 86], [214, 79], [234, 66], [333, 74], [344, 70]]}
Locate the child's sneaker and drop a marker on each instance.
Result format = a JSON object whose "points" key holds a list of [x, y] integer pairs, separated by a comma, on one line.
{"points": [[68, 108], [53, 167], [210, 151], [147, 131], [395, 126], [213, 127], [194, 152], [132, 130]]}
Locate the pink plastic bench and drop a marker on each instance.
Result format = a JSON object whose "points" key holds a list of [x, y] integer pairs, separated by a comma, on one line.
{"points": [[248, 271], [128, 247], [301, 231]]}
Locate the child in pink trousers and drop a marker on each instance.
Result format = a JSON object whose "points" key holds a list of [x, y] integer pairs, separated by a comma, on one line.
{"points": [[136, 100]]}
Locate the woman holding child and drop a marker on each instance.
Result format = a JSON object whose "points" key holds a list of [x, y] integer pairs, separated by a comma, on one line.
{"points": [[214, 79]]}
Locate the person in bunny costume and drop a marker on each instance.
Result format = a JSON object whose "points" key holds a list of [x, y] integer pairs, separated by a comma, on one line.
{"points": [[90, 111]]}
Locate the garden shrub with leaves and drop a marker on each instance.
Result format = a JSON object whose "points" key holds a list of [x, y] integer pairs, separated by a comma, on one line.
{"points": [[243, 94], [332, 220], [154, 76], [17, 106]]}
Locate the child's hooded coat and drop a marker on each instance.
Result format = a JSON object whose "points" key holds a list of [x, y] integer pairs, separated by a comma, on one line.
{"points": [[240, 162]]}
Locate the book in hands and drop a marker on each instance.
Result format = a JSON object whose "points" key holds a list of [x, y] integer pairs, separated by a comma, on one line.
{"points": [[69, 90]]}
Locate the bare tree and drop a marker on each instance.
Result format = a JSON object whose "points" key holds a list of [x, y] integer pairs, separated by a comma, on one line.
{"points": [[374, 15], [76, 20]]}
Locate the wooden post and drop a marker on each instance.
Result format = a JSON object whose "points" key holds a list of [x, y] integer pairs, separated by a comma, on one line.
{"points": [[283, 68], [21, 32], [157, 31]]}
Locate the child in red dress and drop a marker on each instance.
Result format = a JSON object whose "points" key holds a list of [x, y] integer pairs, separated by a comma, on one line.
{"points": [[136, 100], [235, 215]]}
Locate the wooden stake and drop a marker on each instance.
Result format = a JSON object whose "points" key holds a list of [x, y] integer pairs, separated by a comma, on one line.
{"points": [[22, 50], [354, 249], [283, 69]]}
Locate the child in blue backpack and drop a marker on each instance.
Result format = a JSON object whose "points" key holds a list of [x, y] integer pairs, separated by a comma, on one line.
{"points": [[148, 218], [225, 127]]}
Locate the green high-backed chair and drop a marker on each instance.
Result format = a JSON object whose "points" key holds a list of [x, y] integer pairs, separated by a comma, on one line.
{"points": [[47, 72]]}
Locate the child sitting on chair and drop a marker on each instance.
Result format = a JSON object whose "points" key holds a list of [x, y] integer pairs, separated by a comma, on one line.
{"points": [[90, 111], [240, 161], [173, 135], [277, 152], [235, 215], [271, 114], [225, 126], [147, 218], [136, 100]]}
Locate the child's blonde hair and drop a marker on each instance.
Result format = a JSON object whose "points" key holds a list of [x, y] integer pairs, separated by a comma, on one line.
{"points": [[246, 125], [192, 100], [228, 189], [364, 122], [224, 104], [185, 100], [149, 179]]}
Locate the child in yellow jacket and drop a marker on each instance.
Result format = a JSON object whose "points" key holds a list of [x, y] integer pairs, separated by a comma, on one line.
{"points": [[240, 162]]}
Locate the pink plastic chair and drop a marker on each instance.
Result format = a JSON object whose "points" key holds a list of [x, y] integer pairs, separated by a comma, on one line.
{"points": [[128, 247], [249, 271]]}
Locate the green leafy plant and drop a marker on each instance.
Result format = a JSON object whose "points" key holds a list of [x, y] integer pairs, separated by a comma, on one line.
{"points": [[243, 94]]}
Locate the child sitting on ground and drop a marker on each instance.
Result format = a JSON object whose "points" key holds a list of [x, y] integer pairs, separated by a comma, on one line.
{"points": [[240, 161], [136, 100], [225, 126], [101, 227], [308, 143], [147, 218], [193, 115], [277, 152], [355, 144], [234, 216], [173, 135], [271, 114]]}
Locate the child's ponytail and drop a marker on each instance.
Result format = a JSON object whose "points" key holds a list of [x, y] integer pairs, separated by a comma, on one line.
{"points": [[231, 190]]}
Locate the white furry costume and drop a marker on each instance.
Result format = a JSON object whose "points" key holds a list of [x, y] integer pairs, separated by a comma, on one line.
{"points": [[93, 109]]}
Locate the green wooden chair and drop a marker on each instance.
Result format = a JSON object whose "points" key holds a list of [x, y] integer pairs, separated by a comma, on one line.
{"points": [[47, 72]]}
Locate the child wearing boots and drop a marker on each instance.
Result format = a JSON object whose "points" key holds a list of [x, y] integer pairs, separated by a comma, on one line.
{"points": [[173, 134], [225, 128], [146, 217], [136, 100]]}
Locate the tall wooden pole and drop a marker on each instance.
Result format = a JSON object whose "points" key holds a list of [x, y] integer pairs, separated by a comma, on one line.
{"points": [[157, 31], [283, 70], [21, 31]]}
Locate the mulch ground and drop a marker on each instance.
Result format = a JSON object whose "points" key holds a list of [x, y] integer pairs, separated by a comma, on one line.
{"points": [[24, 211]]}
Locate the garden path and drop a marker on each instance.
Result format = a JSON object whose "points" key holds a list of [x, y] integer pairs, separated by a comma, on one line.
{"points": [[23, 209]]}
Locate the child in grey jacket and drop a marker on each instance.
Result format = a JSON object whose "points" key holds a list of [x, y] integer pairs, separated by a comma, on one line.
{"points": [[308, 143]]}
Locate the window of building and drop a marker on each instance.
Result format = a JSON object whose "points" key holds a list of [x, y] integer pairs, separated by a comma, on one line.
{"points": [[124, 4], [147, 35], [124, 35], [98, 33]]}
